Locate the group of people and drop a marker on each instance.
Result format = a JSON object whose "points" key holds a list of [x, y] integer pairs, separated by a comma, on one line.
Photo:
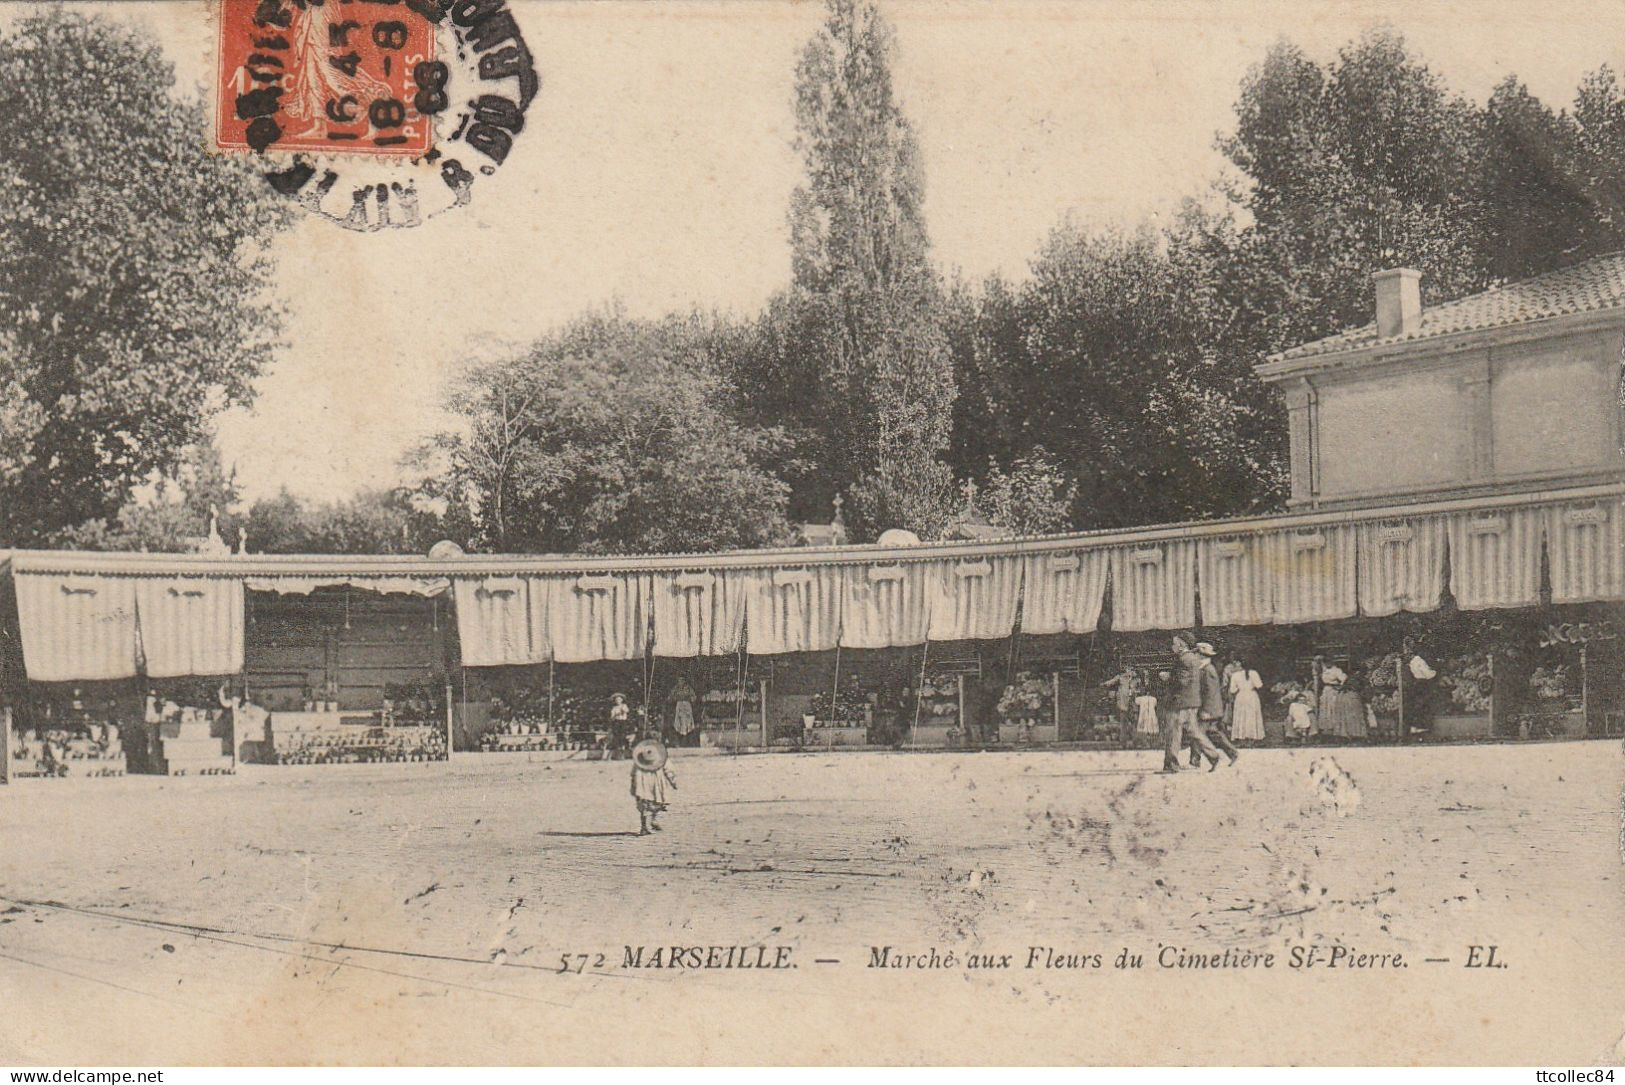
{"points": [[1334, 707], [1192, 705], [1196, 716], [678, 725]]}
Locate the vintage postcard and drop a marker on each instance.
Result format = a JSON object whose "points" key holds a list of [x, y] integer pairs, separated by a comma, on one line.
{"points": [[831, 532]]}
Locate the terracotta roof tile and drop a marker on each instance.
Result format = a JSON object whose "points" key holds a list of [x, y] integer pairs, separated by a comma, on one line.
{"points": [[1593, 286]]}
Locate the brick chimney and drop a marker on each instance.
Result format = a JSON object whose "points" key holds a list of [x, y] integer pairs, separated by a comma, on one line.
{"points": [[1399, 302]]}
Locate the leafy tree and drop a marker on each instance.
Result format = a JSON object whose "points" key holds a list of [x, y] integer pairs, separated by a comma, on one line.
{"points": [[1367, 164], [610, 436], [371, 522], [907, 490], [177, 513], [987, 338], [174, 516], [865, 340], [767, 373], [1532, 192], [1124, 371], [134, 268], [1599, 122], [1034, 497]]}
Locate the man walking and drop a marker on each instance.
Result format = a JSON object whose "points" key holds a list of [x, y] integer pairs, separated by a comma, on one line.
{"points": [[1210, 717], [1183, 725]]}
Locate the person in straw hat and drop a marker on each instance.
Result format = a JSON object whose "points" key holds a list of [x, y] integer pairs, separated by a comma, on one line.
{"points": [[1182, 726], [620, 727], [1210, 716], [651, 779]]}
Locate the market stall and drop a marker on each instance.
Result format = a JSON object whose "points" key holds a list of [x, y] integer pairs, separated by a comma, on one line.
{"points": [[1080, 707], [947, 699], [353, 671], [727, 700], [118, 672], [146, 662], [831, 699], [562, 706], [71, 732]]}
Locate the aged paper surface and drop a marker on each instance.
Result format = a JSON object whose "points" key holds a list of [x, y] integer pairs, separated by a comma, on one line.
{"points": [[1327, 899]]}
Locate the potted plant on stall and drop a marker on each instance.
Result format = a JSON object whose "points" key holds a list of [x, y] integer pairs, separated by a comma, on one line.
{"points": [[841, 719], [1470, 680], [1027, 711], [939, 720], [1554, 709], [1382, 692]]}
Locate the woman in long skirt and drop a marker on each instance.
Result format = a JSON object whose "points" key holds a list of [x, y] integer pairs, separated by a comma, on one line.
{"points": [[1246, 711], [1342, 709], [1226, 687], [1351, 714]]}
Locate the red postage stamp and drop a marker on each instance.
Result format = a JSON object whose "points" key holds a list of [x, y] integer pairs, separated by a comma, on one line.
{"points": [[327, 76]]}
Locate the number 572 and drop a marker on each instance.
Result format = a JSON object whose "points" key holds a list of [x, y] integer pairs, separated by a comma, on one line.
{"points": [[577, 962]]}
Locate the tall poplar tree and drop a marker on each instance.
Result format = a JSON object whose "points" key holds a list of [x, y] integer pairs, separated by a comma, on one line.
{"points": [[868, 356]]}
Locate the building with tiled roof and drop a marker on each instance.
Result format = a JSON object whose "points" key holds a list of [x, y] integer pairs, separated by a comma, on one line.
{"points": [[1517, 388], [1592, 287]]}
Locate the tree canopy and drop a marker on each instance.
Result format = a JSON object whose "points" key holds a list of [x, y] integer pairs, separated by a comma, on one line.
{"points": [[1129, 353], [609, 436], [1110, 384], [135, 297], [1113, 384]]}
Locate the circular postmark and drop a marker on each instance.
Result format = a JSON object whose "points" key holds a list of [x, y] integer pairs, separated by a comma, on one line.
{"points": [[375, 114]]}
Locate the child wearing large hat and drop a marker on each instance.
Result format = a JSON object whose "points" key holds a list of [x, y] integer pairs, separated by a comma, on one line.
{"points": [[651, 779]]}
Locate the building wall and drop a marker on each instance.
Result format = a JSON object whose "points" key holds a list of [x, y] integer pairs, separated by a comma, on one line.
{"points": [[1556, 409], [1492, 417], [1403, 430]]}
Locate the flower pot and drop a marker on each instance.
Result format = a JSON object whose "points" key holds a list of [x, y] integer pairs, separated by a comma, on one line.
{"points": [[1477, 725]]}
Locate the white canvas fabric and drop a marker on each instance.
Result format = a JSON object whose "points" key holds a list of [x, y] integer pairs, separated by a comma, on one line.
{"points": [[503, 621], [1235, 581], [792, 610], [592, 618], [1064, 591], [1312, 573], [973, 600], [698, 614], [884, 606], [190, 625], [77, 628], [1585, 545], [1402, 565], [1154, 586], [1495, 557]]}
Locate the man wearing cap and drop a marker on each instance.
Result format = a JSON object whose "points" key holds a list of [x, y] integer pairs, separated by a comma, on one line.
{"points": [[1182, 726]]}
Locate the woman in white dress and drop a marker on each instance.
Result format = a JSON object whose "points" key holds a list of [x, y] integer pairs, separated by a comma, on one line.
{"points": [[1146, 723], [1247, 713]]}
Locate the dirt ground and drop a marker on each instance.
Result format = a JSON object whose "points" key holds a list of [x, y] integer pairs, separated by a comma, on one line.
{"points": [[419, 914]]}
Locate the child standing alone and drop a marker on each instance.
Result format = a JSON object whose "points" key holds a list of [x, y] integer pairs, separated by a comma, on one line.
{"points": [[651, 777]]}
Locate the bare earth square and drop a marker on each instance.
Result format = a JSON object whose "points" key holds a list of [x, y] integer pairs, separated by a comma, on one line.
{"points": [[307, 915]]}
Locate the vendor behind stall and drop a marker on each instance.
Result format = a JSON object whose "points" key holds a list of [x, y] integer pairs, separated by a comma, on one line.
{"points": [[1418, 685], [982, 697]]}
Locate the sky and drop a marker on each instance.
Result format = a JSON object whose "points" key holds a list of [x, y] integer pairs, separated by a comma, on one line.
{"points": [[656, 166]]}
